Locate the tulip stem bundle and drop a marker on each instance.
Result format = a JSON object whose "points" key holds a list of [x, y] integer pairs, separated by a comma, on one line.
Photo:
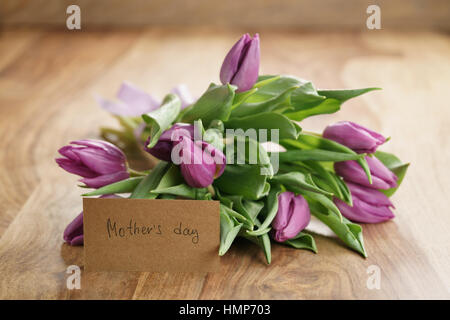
{"points": [[265, 196]]}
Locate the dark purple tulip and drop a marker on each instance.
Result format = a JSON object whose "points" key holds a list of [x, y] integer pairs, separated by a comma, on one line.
{"points": [[241, 65], [369, 205], [98, 162], [73, 234], [354, 136], [292, 217], [201, 163], [163, 148], [382, 177]]}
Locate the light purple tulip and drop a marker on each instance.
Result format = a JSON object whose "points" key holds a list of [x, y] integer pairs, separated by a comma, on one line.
{"points": [[369, 205], [163, 148], [292, 217], [382, 177], [133, 102], [354, 136], [73, 234], [184, 94], [98, 162], [241, 65]]}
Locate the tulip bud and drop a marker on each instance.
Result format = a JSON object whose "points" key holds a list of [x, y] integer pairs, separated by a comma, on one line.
{"points": [[382, 177], [98, 162], [369, 205], [354, 136], [241, 65], [292, 217], [200, 163], [73, 234]]}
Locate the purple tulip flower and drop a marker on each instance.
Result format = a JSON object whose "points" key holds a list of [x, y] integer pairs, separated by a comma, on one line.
{"points": [[292, 217], [369, 205], [133, 101], [382, 177], [73, 234], [200, 162], [98, 162], [184, 94], [163, 148], [241, 65], [354, 136]]}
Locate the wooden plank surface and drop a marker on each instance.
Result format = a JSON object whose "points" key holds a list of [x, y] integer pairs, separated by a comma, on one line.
{"points": [[47, 81]]}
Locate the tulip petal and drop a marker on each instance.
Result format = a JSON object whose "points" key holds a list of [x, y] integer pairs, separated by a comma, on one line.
{"points": [[364, 212], [198, 168], [231, 62], [298, 221], [133, 102], [354, 136], [78, 169], [369, 195], [248, 71], [105, 146], [284, 210], [382, 177], [137, 100], [105, 179], [73, 229], [184, 94], [98, 161]]}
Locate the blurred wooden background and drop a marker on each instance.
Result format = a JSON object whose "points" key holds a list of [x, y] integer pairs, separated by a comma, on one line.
{"points": [[311, 14], [48, 76]]}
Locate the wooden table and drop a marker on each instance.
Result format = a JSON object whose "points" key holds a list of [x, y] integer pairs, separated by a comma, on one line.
{"points": [[47, 81]]}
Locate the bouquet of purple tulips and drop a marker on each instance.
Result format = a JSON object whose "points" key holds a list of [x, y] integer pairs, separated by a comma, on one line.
{"points": [[241, 143]]}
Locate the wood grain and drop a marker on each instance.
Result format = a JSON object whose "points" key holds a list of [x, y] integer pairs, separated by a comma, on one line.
{"points": [[47, 79]]}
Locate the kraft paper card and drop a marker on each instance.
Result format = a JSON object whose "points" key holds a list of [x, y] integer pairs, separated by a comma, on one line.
{"points": [[151, 235]]}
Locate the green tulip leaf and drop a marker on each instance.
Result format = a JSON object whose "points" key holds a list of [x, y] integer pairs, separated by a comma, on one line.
{"points": [[309, 141], [332, 103], [214, 104], [350, 233], [316, 155], [150, 182], [228, 230], [263, 241], [123, 186], [162, 118], [270, 209], [245, 180], [268, 120], [302, 241], [184, 191], [297, 182], [396, 166]]}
